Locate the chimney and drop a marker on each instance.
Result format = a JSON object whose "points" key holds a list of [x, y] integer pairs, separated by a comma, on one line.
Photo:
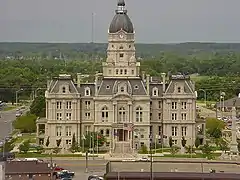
{"points": [[147, 83], [164, 81], [96, 83], [238, 95], [78, 79], [143, 75]]}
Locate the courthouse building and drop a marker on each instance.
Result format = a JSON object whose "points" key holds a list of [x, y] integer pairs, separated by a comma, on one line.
{"points": [[123, 104]]}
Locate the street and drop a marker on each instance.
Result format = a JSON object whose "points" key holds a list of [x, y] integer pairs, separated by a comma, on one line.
{"points": [[95, 167], [7, 117]]}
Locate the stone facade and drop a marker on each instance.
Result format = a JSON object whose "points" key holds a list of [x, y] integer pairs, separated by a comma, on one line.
{"points": [[122, 104]]}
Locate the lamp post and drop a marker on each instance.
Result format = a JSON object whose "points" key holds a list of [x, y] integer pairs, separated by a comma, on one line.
{"points": [[17, 95], [205, 96], [222, 95]]}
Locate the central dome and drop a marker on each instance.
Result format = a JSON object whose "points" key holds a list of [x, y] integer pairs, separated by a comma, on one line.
{"points": [[121, 21]]}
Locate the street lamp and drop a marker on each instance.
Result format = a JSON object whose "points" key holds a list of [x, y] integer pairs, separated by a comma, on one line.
{"points": [[17, 95], [205, 96], [222, 95]]}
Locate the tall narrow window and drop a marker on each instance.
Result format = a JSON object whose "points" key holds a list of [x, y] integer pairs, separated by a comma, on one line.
{"points": [[64, 90], [122, 114], [69, 105], [104, 114], [139, 114]]}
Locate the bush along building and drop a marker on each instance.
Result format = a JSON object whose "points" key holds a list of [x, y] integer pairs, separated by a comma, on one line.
{"points": [[122, 104]]}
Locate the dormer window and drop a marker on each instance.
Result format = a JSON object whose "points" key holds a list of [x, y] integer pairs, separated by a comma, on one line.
{"points": [[107, 87], [63, 89], [121, 71], [136, 87], [122, 89], [179, 89], [155, 91], [121, 55], [87, 92], [121, 47]]}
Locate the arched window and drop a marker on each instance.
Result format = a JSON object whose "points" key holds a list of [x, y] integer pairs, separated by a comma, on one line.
{"points": [[87, 91], [122, 114], [139, 114], [104, 114], [63, 89], [155, 91]]}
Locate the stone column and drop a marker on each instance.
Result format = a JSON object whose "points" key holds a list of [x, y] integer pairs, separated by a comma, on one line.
{"points": [[234, 144], [114, 112]]}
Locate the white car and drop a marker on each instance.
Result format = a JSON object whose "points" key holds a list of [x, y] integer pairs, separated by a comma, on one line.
{"points": [[129, 160], [144, 159]]}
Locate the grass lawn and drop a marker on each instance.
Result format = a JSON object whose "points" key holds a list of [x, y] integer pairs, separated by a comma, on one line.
{"points": [[31, 137], [198, 78], [38, 155]]}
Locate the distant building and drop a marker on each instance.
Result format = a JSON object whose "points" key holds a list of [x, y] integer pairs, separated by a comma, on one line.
{"points": [[27, 170], [2, 170], [128, 107]]}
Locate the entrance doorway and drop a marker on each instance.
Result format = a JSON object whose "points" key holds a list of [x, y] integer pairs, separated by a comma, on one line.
{"points": [[122, 135]]}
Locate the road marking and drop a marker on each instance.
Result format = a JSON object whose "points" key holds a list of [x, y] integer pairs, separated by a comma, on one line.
{"points": [[79, 165]]}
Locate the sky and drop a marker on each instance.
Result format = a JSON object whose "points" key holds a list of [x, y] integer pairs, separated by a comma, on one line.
{"points": [[155, 21]]}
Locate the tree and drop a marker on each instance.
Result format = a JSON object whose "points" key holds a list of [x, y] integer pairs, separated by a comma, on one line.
{"points": [[144, 149], [223, 145], [92, 138], [38, 106], [8, 146], [197, 142], [26, 123], [47, 142], [189, 149], [74, 146], [184, 141], [59, 142], [174, 150], [214, 127], [170, 141], [207, 150], [24, 147]]}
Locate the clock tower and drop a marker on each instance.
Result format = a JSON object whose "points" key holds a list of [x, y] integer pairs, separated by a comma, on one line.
{"points": [[121, 61]]}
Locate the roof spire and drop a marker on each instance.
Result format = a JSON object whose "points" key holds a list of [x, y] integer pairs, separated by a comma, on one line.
{"points": [[121, 7]]}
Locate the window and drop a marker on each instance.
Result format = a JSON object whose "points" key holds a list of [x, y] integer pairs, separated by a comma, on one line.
{"points": [[69, 105], [68, 131], [87, 115], [184, 131], [132, 72], [68, 141], [136, 87], [150, 116], [174, 130], [107, 133], [107, 87], [87, 129], [68, 116], [151, 129], [112, 46], [122, 89], [174, 116], [129, 46], [59, 116], [87, 104], [155, 92], [109, 71], [104, 114], [63, 89], [175, 142], [159, 104], [159, 130], [125, 71], [116, 71], [107, 144], [58, 131], [184, 105], [121, 47], [122, 114], [87, 92], [121, 71], [184, 116], [139, 114], [102, 132], [121, 55], [159, 116], [179, 89], [59, 105], [174, 105]]}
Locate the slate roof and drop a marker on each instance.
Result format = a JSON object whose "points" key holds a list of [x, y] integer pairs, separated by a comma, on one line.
{"points": [[27, 167]]}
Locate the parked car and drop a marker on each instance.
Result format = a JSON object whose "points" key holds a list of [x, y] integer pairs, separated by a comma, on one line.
{"points": [[95, 177], [65, 174], [144, 159], [129, 160]]}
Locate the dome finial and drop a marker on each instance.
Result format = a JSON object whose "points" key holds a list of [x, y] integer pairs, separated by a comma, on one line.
{"points": [[121, 3], [121, 7]]}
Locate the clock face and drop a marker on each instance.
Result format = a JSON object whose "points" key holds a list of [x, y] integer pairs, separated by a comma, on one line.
{"points": [[121, 36]]}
